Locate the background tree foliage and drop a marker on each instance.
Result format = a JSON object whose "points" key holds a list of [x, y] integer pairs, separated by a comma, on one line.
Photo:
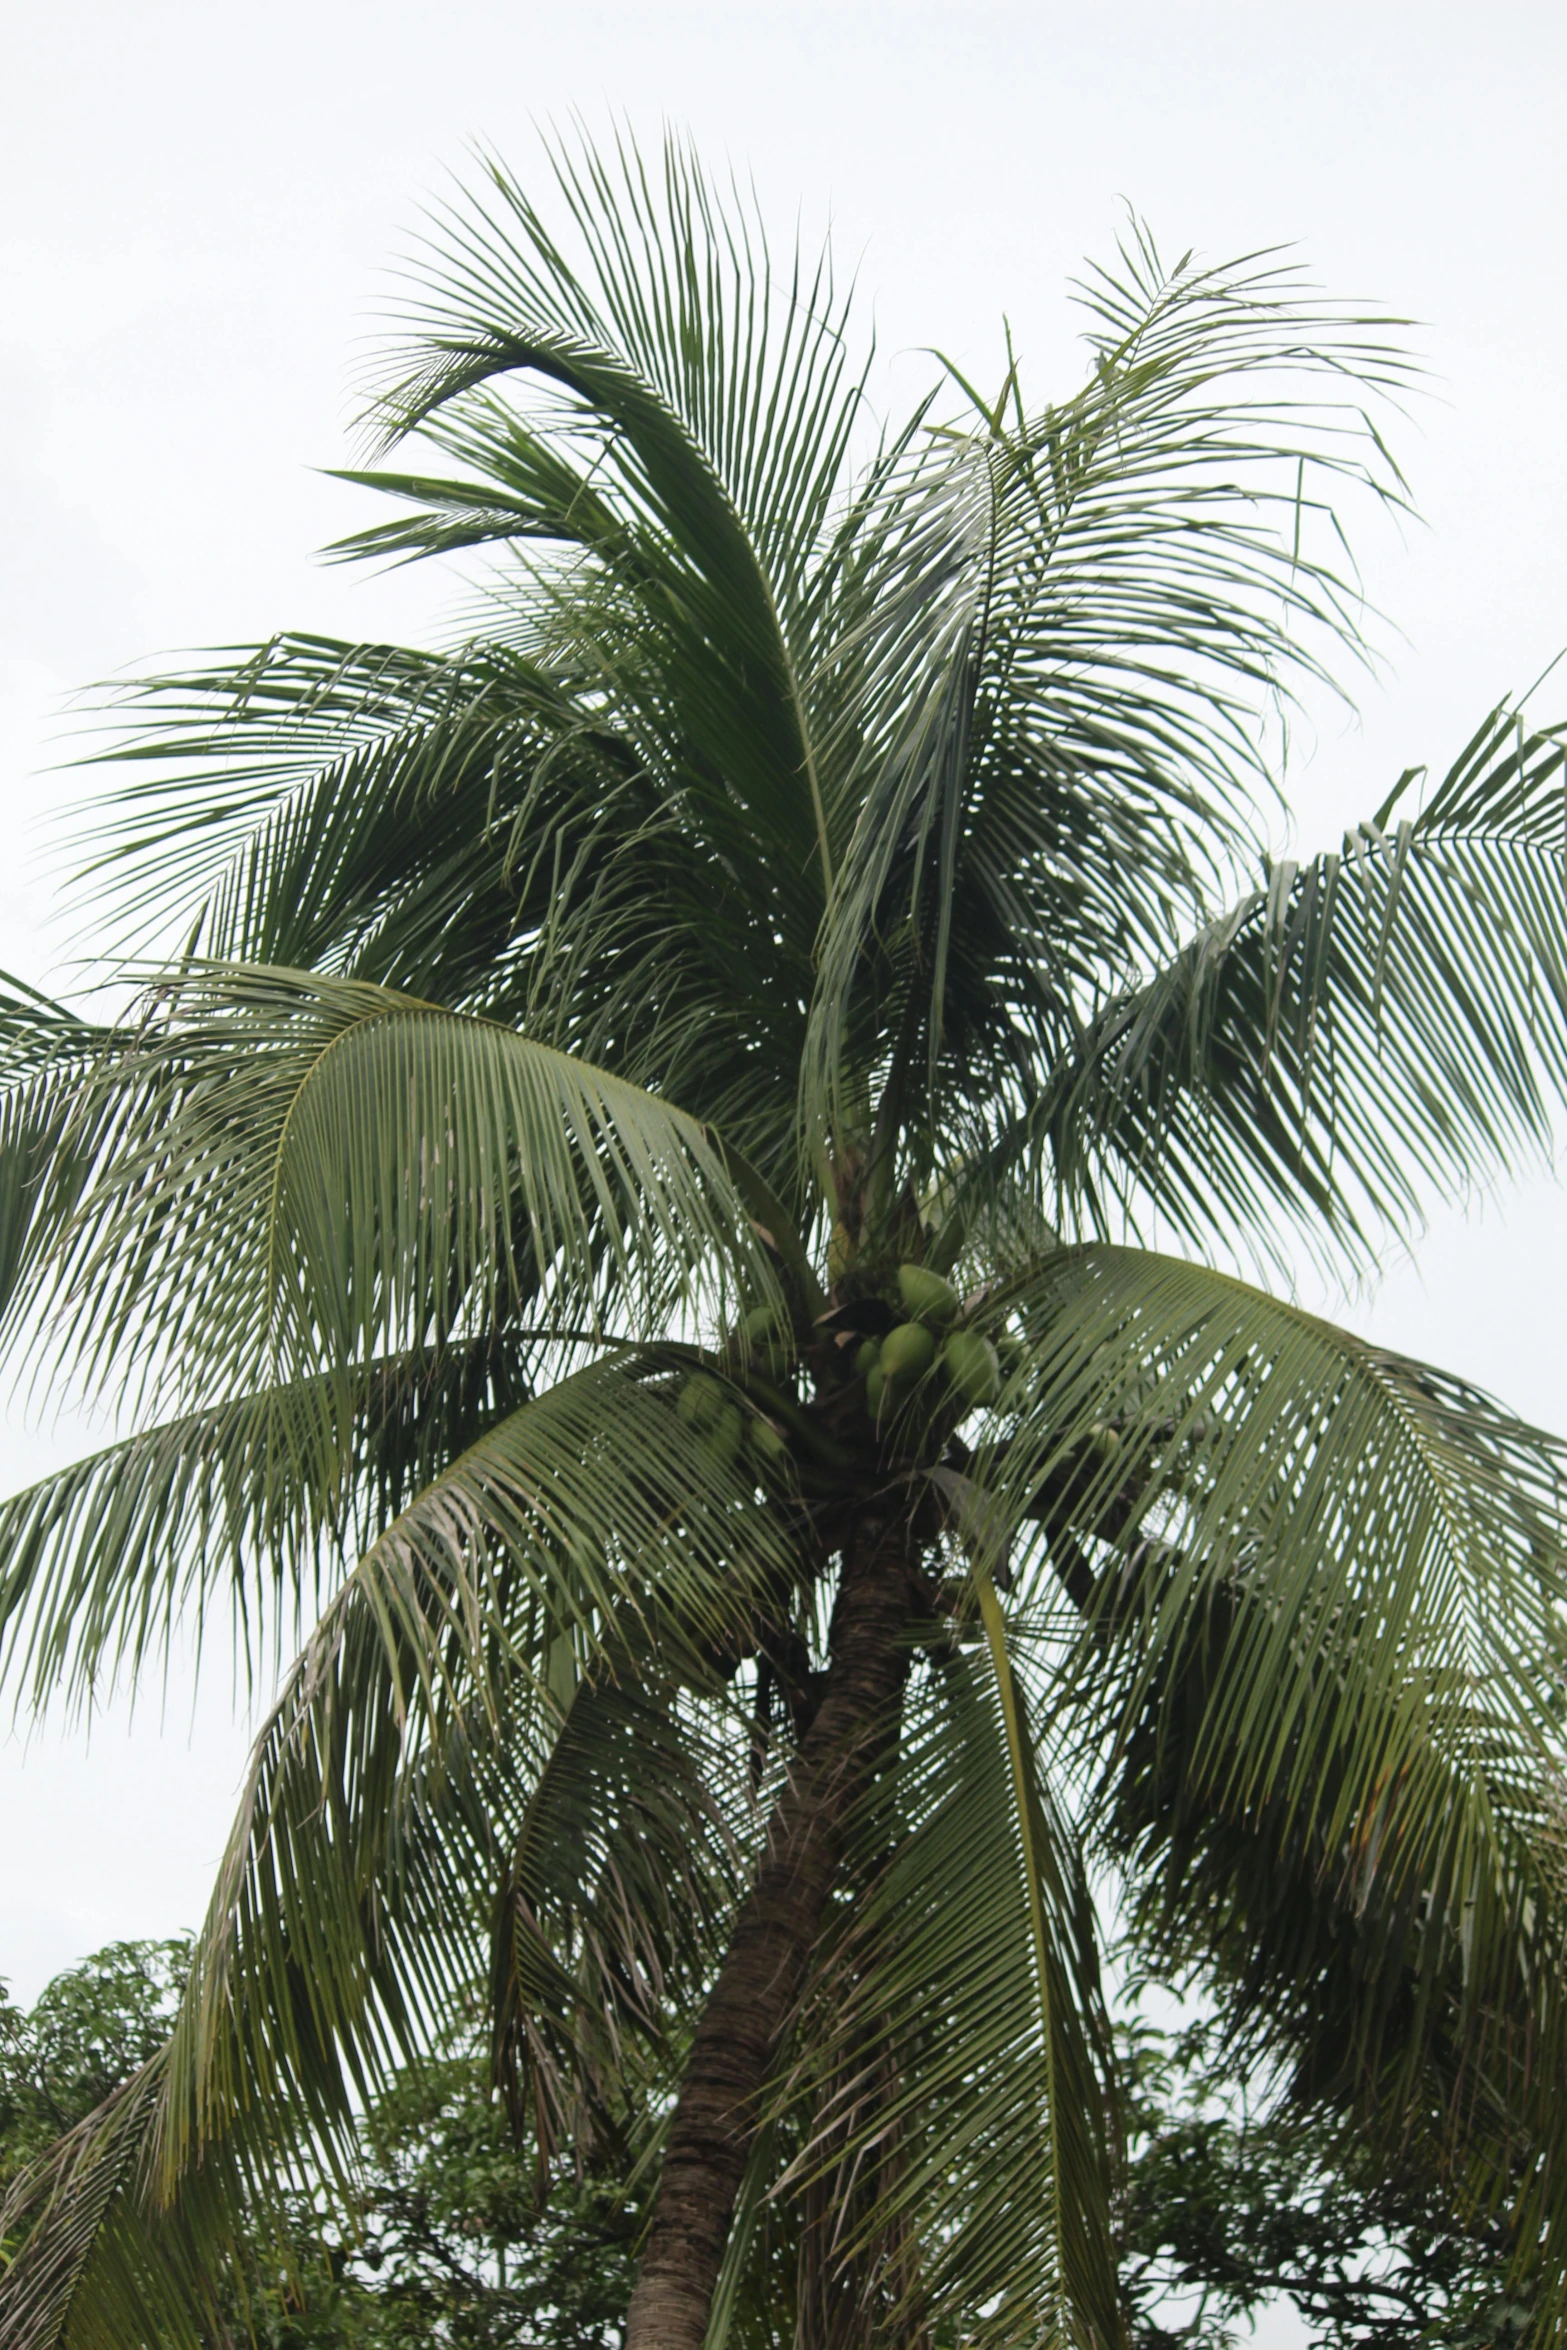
{"points": [[88, 2031], [676, 1221], [1230, 2202], [1234, 2199], [445, 2240]]}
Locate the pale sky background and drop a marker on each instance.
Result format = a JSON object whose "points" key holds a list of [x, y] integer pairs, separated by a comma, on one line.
{"points": [[199, 206]]}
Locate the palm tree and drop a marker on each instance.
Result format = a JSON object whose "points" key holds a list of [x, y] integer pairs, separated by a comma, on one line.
{"points": [[685, 1213]]}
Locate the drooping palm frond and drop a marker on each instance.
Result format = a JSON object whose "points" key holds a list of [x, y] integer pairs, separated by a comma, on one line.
{"points": [[46, 1053], [1334, 1583], [470, 829], [624, 1877], [320, 804], [590, 1522], [88, 2273], [1375, 1979], [958, 2131], [255, 1505], [1355, 1036], [425, 1734]]}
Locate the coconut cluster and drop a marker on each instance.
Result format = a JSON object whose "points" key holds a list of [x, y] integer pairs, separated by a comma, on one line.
{"points": [[706, 1405], [926, 1352], [924, 1345]]}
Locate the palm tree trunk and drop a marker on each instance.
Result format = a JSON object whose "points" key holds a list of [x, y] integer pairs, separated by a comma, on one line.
{"points": [[716, 2114]]}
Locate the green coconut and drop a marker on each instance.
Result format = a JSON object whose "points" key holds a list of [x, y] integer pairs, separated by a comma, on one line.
{"points": [[972, 1367], [866, 1356], [701, 1401], [760, 1323], [765, 1444], [875, 1389], [907, 1353], [926, 1297], [727, 1433]]}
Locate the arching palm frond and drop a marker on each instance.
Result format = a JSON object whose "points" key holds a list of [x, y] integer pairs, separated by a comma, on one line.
{"points": [[1334, 1580], [699, 436], [89, 2271], [753, 360], [46, 1054], [294, 1174], [427, 1732], [1354, 1037], [1140, 579], [469, 829], [958, 2145], [620, 1888], [354, 807]]}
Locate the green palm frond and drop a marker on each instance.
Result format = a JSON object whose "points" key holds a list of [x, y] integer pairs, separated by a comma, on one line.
{"points": [[295, 1174], [415, 1743], [1361, 1564], [1123, 587], [591, 1516], [626, 1870], [1384, 1503], [956, 2060], [46, 1053], [468, 828], [257, 1503], [1406, 1988], [752, 359], [87, 2273], [351, 807], [710, 410], [1353, 1036]]}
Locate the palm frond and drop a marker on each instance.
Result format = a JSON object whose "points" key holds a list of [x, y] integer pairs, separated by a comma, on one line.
{"points": [[86, 2273], [591, 1515], [1145, 570], [1360, 1564], [352, 807], [294, 1175], [260, 1502], [711, 409], [625, 1874], [1354, 1036], [753, 359], [410, 1751], [957, 2054], [474, 829], [46, 1053]]}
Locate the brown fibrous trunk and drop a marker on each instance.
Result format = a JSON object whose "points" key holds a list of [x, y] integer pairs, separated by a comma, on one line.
{"points": [[718, 2109]]}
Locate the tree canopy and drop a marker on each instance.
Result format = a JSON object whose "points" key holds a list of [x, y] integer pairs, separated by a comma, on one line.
{"points": [[678, 1199]]}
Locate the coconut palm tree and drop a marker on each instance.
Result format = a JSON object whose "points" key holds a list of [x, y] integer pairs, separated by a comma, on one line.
{"points": [[681, 1193]]}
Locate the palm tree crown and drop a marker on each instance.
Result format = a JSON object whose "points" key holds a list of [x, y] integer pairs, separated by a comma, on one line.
{"points": [[626, 1227]]}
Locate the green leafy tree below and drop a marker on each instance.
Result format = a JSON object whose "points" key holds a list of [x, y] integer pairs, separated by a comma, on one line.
{"points": [[1230, 2202]]}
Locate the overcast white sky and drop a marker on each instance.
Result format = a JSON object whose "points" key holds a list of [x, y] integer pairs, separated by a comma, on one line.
{"points": [[199, 204]]}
